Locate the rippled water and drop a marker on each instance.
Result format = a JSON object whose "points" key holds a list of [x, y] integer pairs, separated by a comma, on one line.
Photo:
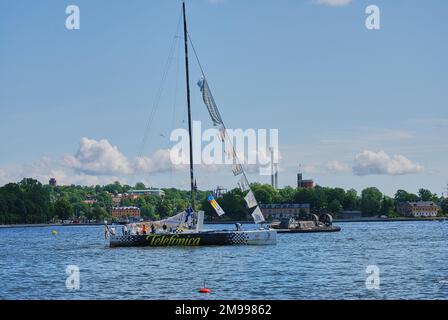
{"points": [[412, 258]]}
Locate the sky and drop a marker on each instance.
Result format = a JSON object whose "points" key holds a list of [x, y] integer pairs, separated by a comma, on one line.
{"points": [[355, 107]]}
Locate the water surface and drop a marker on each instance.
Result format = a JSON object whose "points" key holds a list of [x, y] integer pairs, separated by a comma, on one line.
{"points": [[412, 258]]}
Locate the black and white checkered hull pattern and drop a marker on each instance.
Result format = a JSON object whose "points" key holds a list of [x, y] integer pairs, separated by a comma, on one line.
{"points": [[253, 237], [203, 238]]}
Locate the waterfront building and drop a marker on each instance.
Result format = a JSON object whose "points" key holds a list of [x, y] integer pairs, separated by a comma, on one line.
{"points": [[306, 184], [284, 210], [89, 199], [418, 208], [123, 213]]}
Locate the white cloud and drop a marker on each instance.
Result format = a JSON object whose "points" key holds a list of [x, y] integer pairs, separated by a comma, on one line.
{"points": [[98, 157], [102, 158], [159, 162], [333, 3], [45, 168], [379, 162], [95, 162], [310, 169], [335, 166]]}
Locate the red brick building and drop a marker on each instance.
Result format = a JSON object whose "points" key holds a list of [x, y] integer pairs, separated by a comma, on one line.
{"points": [[126, 212]]}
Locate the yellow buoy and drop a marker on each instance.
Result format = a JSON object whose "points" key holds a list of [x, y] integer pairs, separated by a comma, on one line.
{"points": [[54, 232]]}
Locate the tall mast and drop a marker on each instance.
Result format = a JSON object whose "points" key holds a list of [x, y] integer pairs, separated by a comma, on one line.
{"points": [[187, 75]]}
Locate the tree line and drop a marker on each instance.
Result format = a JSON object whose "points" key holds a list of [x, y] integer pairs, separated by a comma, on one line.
{"points": [[29, 201], [371, 202]]}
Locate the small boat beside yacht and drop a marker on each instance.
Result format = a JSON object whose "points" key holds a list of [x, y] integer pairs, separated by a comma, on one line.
{"points": [[324, 223]]}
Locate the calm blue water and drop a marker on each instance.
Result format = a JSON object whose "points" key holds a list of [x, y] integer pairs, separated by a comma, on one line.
{"points": [[412, 258]]}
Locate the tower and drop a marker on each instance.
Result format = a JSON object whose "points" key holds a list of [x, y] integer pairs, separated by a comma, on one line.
{"points": [[274, 171], [300, 177], [276, 177]]}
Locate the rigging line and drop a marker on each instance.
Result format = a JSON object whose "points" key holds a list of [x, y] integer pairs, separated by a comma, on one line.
{"points": [[160, 89], [196, 55], [223, 125]]}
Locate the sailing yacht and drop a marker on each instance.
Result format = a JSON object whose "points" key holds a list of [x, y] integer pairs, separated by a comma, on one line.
{"points": [[187, 228]]}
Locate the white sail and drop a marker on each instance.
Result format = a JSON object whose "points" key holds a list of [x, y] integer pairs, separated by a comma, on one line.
{"points": [[237, 167]]}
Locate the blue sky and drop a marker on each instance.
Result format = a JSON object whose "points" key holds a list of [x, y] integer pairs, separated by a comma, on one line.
{"points": [[355, 107]]}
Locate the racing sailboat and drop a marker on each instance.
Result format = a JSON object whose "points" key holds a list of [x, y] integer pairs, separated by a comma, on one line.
{"points": [[187, 228]]}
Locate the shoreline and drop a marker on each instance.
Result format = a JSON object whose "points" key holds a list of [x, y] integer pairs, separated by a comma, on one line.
{"points": [[350, 220], [226, 222]]}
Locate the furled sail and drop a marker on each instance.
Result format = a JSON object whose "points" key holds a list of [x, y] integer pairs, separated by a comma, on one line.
{"points": [[237, 168], [210, 102]]}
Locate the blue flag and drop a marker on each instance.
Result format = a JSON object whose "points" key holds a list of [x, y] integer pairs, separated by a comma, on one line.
{"points": [[189, 211]]}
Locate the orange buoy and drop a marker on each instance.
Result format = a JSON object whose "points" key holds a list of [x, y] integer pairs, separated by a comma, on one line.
{"points": [[204, 289]]}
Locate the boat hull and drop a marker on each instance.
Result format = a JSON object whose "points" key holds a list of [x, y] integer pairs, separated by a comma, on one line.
{"points": [[194, 239]]}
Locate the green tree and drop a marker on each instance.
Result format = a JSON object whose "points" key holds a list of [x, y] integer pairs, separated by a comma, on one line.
{"points": [[140, 186], [351, 200], [114, 188], [335, 194], [371, 201], [81, 209], [35, 201], [286, 194], [444, 205], [99, 213], [403, 196], [387, 206], [164, 209], [234, 205], [426, 195], [335, 207], [63, 209], [149, 211], [316, 198], [104, 200], [264, 193]]}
